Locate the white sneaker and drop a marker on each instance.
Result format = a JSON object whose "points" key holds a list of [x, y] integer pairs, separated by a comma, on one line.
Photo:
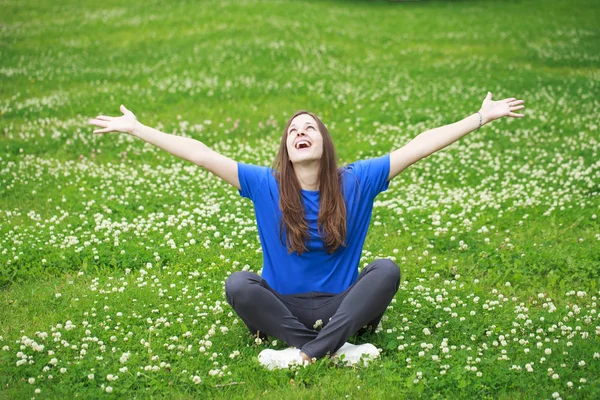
{"points": [[273, 359], [353, 353]]}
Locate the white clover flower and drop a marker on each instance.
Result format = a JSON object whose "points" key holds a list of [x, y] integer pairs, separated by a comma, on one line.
{"points": [[548, 351], [109, 389], [31, 381], [528, 367], [90, 376]]}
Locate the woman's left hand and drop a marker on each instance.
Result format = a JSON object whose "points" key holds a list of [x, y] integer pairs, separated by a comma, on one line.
{"points": [[492, 110]]}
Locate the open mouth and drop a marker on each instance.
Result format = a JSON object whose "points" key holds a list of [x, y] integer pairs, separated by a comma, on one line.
{"points": [[303, 144]]}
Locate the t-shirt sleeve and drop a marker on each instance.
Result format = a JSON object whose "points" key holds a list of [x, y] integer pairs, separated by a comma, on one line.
{"points": [[252, 179], [372, 175]]}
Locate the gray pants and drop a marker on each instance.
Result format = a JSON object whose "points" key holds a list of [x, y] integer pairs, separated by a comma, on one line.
{"points": [[291, 318]]}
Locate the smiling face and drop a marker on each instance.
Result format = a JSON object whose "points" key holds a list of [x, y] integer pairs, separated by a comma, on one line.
{"points": [[304, 140]]}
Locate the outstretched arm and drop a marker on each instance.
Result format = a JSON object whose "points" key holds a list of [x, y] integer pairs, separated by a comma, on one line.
{"points": [[185, 148], [436, 139]]}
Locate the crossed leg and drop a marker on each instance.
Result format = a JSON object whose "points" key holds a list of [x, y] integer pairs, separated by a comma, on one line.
{"points": [[263, 310], [363, 304]]}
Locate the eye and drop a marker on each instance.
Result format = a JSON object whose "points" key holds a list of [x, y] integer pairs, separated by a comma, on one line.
{"points": [[310, 126], [291, 130]]}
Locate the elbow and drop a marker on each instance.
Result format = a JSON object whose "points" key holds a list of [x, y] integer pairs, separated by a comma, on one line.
{"points": [[199, 154]]}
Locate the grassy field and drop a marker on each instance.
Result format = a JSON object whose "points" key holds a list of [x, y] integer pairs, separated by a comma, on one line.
{"points": [[113, 253]]}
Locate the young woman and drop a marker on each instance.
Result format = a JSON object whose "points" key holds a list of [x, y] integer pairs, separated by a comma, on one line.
{"points": [[312, 221]]}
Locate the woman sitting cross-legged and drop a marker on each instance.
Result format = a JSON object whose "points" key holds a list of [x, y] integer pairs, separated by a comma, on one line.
{"points": [[312, 221]]}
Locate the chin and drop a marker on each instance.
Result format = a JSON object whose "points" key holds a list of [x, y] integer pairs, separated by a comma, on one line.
{"points": [[306, 157]]}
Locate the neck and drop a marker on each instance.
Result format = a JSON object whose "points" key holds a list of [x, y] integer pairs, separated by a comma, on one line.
{"points": [[308, 175]]}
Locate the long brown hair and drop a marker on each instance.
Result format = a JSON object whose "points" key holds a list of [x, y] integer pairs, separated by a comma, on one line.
{"points": [[331, 222]]}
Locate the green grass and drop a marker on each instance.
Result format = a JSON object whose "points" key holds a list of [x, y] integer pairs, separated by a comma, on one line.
{"points": [[81, 215]]}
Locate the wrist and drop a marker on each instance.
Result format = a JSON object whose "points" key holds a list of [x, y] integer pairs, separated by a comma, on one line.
{"points": [[484, 117], [136, 129]]}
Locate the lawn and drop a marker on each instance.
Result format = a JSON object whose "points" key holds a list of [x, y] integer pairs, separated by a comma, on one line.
{"points": [[114, 253]]}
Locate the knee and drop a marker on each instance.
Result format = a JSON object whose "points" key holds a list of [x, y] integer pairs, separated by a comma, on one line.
{"points": [[238, 284], [388, 269]]}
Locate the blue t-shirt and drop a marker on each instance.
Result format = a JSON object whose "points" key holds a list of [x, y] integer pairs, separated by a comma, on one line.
{"points": [[315, 270]]}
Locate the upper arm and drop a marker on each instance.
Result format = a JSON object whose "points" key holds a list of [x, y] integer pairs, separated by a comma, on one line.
{"points": [[223, 167], [404, 157]]}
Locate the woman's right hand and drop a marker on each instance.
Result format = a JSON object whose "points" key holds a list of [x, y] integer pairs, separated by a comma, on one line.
{"points": [[124, 123]]}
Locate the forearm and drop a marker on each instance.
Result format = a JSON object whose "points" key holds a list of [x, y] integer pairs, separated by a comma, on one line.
{"points": [[182, 147], [436, 139]]}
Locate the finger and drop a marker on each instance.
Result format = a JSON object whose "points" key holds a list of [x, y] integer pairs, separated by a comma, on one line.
{"points": [[104, 117], [515, 108], [97, 122], [102, 130], [517, 102], [509, 99], [123, 109], [515, 115]]}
